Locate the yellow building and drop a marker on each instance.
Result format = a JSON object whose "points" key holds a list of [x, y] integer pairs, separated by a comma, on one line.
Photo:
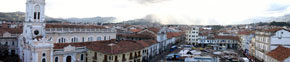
{"points": [[116, 51], [102, 51]]}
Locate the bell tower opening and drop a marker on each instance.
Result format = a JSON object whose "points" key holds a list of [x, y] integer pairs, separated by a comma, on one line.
{"points": [[36, 15]]}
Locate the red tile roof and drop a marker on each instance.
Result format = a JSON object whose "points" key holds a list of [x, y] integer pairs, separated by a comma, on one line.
{"points": [[273, 29], [110, 46], [11, 30], [135, 30], [245, 32], [280, 53], [71, 26], [155, 30], [173, 34]]}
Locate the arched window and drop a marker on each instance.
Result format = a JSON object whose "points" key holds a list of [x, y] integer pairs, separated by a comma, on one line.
{"points": [[38, 15], [74, 39], [68, 59], [6, 43], [105, 38], [99, 38], [83, 39], [61, 40], [109, 37], [56, 59], [82, 57], [90, 39], [43, 60], [36, 12]]}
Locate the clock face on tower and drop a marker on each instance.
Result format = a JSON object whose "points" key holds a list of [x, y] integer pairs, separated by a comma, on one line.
{"points": [[36, 32]]}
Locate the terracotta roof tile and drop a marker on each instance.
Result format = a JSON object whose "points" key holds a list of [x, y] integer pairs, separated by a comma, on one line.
{"points": [[110, 46], [280, 53], [11, 30], [155, 30], [245, 32], [135, 30], [173, 34], [273, 29]]}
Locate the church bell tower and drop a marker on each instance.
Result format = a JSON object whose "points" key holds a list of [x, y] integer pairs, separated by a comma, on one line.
{"points": [[33, 45], [34, 21]]}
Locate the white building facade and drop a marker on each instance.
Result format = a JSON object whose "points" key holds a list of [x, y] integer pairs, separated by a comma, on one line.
{"points": [[270, 39], [192, 36]]}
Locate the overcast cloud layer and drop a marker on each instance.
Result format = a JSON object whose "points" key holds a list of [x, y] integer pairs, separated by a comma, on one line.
{"points": [[202, 12]]}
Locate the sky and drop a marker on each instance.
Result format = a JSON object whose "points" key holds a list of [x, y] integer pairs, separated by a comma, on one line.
{"points": [[197, 12]]}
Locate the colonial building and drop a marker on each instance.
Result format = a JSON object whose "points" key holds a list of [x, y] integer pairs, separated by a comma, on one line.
{"points": [[268, 39], [39, 41], [164, 38], [70, 33], [103, 51], [9, 40], [219, 42], [245, 38], [33, 47], [280, 54]]}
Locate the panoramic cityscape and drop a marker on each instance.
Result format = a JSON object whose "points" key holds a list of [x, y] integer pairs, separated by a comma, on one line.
{"points": [[145, 31]]}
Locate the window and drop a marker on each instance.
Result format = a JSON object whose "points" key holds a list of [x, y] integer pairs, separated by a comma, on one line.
{"points": [[34, 15], [82, 57], [105, 38], [131, 56], [56, 59], [65, 29], [105, 57], [124, 56], [281, 32], [58, 29], [96, 56], [109, 37], [43, 60], [6, 43], [83, 39], [38, 15], [99, 38], [110, 58], [71, 29], [90, 39], [12, 43], [78, 29], [52, 29], [61, 40], [74, 39], [116, 58]]}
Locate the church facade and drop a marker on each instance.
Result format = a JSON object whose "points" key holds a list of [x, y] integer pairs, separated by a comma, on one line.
{"points": [[61, 42], [36, 43]]}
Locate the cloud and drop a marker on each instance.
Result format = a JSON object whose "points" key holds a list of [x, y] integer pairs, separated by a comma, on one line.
{"points": [[200, 12], [148, 1], [278, 7]]}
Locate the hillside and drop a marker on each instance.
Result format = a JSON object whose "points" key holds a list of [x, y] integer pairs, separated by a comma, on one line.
{"points": [[20, 16], [14, 16]]}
